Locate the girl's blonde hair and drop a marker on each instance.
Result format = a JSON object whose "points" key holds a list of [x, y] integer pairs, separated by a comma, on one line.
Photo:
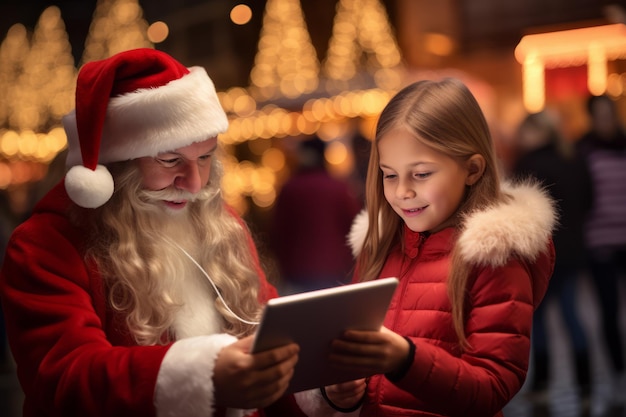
{"points": [[125, 251], [445, 116]]}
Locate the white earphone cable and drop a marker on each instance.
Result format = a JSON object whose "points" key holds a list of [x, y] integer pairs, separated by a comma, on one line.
{"points": [[212, 283]]}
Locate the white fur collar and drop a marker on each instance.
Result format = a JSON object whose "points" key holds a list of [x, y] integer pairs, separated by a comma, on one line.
{"points": [[521, 226]]}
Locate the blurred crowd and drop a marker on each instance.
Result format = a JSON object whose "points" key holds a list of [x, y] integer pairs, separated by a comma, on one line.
{"points": [[587, 178]]}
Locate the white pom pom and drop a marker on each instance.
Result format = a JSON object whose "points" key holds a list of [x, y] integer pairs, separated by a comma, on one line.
{"points": [[87, 188]]}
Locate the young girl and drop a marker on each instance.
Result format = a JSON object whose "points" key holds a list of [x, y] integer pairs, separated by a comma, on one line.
{"points": [[473, 257]]}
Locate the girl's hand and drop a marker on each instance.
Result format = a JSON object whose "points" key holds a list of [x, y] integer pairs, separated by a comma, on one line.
{"points": [[248, 381], [369, 351], [347, 394]]}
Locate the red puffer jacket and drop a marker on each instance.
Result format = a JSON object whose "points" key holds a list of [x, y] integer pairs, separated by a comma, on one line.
{"points": [[511, 251]]}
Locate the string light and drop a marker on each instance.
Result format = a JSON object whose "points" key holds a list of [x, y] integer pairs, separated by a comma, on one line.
{"points": [[158, 32], [241, 14]]}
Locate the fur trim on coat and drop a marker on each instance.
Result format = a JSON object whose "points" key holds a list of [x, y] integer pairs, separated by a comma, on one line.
{"points": [[520, 226]]}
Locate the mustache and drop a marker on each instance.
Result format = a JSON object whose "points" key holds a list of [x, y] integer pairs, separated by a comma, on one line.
{"points": [[173, 194]]}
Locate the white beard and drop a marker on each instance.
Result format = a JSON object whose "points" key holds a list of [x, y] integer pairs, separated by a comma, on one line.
{"points": [[186, 283]]}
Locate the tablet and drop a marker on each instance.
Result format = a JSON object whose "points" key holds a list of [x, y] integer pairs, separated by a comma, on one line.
{"points": [[313, 319]]}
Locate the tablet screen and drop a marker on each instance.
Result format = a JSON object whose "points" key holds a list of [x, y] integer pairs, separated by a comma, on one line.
{"points": [[313, 319]]}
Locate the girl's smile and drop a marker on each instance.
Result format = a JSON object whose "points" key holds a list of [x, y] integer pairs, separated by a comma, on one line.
{"points": [[414, 211]]}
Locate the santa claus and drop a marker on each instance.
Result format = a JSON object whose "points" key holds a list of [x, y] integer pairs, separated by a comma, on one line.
{"points": [[133, 290]]}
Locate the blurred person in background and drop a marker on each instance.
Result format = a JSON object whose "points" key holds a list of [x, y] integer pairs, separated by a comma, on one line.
{"points": [[543, 154], [311, 221], [361, 147], [603, 148]]}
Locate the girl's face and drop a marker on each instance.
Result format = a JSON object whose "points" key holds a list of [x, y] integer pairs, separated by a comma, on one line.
{"points": [[424, 186]]}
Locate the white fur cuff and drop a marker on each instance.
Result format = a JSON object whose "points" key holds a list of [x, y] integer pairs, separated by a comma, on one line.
{"points": [[185, 382]]}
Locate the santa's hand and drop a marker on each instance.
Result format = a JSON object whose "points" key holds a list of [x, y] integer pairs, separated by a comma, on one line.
{"points": [[247, 381]]}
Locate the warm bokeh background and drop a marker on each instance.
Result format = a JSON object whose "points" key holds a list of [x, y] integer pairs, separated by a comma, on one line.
{"points": [[288, 69]]}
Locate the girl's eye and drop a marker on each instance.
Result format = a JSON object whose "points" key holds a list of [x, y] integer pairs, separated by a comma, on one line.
{"points": [[422, 175], [388, 176]]}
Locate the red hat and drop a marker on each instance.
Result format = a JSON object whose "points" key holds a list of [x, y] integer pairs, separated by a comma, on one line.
{"points": [[136, 103]]}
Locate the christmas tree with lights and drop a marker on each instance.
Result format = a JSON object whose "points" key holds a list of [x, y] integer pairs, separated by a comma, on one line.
{"points": [[286, 63], [117, 25], [362, 51]]}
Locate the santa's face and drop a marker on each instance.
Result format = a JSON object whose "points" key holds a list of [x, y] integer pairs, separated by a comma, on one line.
{"points": [[179, 174]]}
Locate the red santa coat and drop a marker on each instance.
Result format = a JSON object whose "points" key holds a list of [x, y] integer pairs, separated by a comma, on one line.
{"points": [[513, 257], [74, 356]]}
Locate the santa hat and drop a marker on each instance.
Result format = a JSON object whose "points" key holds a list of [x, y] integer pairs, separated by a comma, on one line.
{"points": [[137, 103]]}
